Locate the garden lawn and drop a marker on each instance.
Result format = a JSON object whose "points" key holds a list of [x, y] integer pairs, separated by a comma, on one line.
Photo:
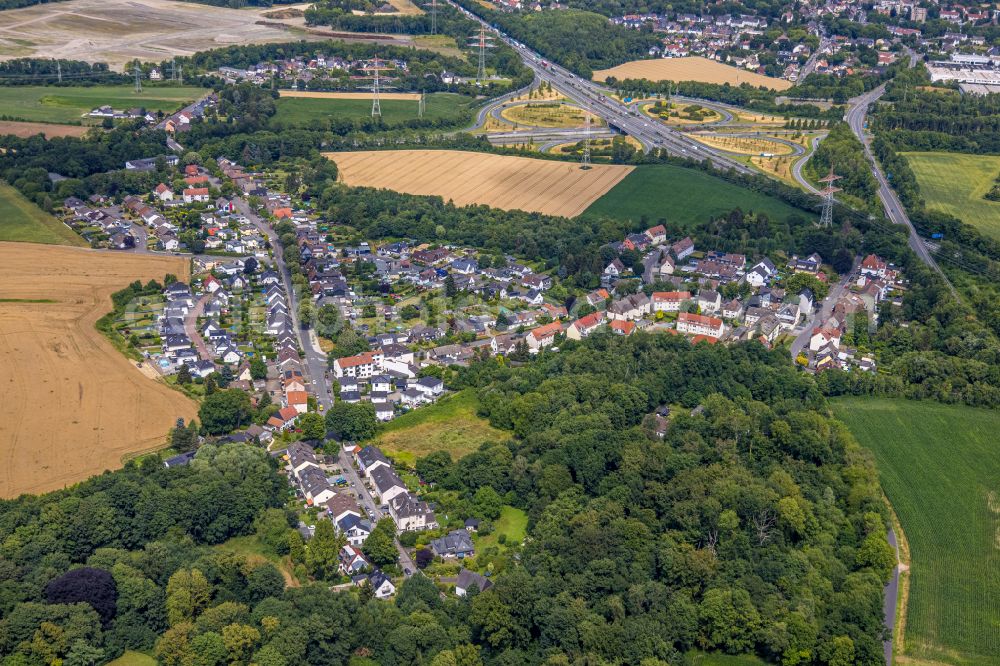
{"points": [[21, 220], [307, 112], [940, 468], [512, 522], [53, 104], [955, 183], [450, 425], [683, 196], [251, 548], [133, 658]]}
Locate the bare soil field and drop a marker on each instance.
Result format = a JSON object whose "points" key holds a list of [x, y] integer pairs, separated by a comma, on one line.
{"points": [[117, 31], [693, 68], [71, 405], [502, 181], [348, 95], [24, 130]]}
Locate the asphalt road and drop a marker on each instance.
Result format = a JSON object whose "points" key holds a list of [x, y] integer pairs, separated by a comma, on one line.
{"points": [[824, 311], [316, 367], [890, 202], [592, 97]]}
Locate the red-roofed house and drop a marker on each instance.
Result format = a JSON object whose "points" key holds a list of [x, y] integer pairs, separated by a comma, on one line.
{"points": [[619, 327], [297, 400], [821, 337], [585, 325], [192, 194], [362, 366], [598, 298], [543, 336], [163, 192], [695, 324], [874, 266], [196, 180], [284, 419], [657, 234]]}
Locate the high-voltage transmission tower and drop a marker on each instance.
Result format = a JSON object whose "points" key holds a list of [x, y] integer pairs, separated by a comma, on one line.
{"points": [[826, 219], [482, 41], [138, 78], [421, 104], [434, 16], [376, 106]]}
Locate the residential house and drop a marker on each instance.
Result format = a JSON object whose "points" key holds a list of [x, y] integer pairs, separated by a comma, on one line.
{"points": [[468, 580], [669, 301], [354, 528], [352, 560], [633, 306], [371, 458], [682, 248], [429, 386], [709, 301], [363, 365], [387, 484], [823, 336], [381, 584], [195, 194], [543, 336], [695, 324], [585, 325], [411, 514], [457, 544]]}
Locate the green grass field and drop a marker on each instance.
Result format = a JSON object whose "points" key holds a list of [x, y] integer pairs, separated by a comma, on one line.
{"points": [[695, 658], [133, 658], [305, 111], [940, 468], [682, 196], [23, 221], [955, 183], [51, 104], [450, 425], [512, 522]]}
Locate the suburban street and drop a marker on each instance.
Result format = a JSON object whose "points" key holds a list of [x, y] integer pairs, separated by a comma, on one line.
{"points": [[824, 310], [316, 367]]}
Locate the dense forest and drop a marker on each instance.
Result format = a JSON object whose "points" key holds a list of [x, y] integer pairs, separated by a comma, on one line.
{"points": [[580, 41], [755, 525], [919, 119], [841, 152]]}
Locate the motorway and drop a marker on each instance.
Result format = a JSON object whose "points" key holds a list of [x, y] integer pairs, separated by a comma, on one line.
{"points": [[593, 98]]}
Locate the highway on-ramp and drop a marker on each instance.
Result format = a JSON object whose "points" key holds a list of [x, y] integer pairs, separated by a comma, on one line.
{"points": [[592, 98]]}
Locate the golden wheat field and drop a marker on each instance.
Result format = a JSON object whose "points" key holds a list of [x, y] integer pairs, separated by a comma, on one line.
{"points": [[71, 405], [692, 68], [348, 95], [26, 129], [501, 181]]}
